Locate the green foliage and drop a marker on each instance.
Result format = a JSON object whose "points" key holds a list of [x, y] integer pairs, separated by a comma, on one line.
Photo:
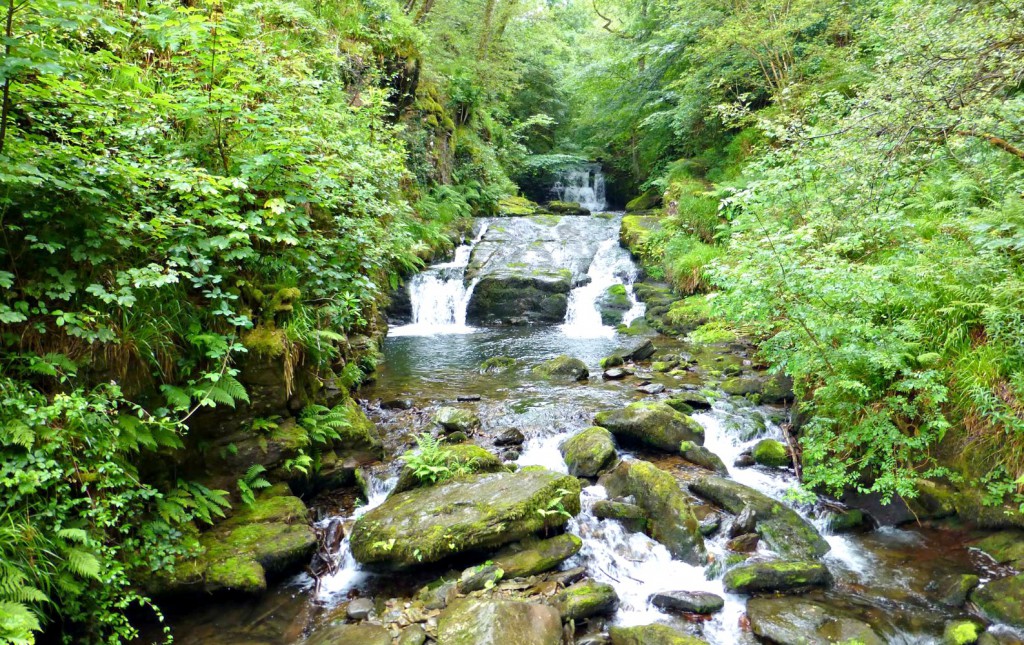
{"points": [[432, 463], [251, 482]]}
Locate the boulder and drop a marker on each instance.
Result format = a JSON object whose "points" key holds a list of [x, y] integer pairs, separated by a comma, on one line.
{"points": [[773, 389], [359, 609], [632, 516], [480, 577], [412, 635], [777, 577], [961, 632], [771, 453], [744, 543], [474, 621], [586, 599], [469, 514], [653, 424], [510, 437], [467, 456], [797, 621], [690, 399], [702, 457], [651, 635], [613, 304], [693, 602], [1005, 547], [781, 528], [340, 633], [614, 374], [1002, 600], [564, 368], [845, 521], [671, 518], [456, 420], [532, 556], [567, 208], [588, 452], [953, 590], [498, 365]]}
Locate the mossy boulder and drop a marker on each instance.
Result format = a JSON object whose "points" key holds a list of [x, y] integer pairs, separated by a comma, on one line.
{"points": [[845, 521], [533, 556], [586, 599], [515, 206], [470, 514], [632, 516], [777, 577], [613, 304], [656, 634], [1002, 600], [742, 386], [798, 621], [456, 420], [702, 457], [460, 457], [961, 632], [651, 198], [953, 590], [476, 621], [567, 208], [781, 528], [776, 388], [1005, 547], [670, 517], [565, 368], [588, 452], [498, 365], [771, 453], [691, 602], [340, 633], [652, 424], [267, 540]]}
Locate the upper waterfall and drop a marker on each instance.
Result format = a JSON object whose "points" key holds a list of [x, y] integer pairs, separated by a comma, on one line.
{"points": [[583, 185]]}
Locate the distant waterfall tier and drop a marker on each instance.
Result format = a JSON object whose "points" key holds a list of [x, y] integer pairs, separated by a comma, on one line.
{"points": [[583, 185]]}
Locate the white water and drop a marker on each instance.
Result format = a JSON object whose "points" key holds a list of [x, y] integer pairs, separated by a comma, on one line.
{"points": [[440, 296], [350, 573], [611, 265], [584, 185]]}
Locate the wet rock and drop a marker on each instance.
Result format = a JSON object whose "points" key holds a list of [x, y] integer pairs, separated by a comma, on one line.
{"points": [[694, 602], [679, 406], [702, 457], [472, 621], [961, 632], [1002, 600], [615, 360], [671, 519], [651, 635], [651, 388], [567, 208], [456, 420], [1005, 547], [454, 438], [614, 374], [797, 621], [746, 543], [781, 528], [777, 577], [462, 457], [510, 437], [467, 398], [569, 576], [632, 516], [397, 404], [613, 305], [745, 522], [742, 386], [972, 508], [845, 521], [594, 639], [359, 609], [480, 577], [498, 365], [531, 557], [511, 455], [438, 594], [563, 368], [586, 599], [476, 512], [953, 590], [663, 366], [641, 352], [771, 453], [744, 461], [412, 635], [338, 633], [654, 424], [589, 452], [710, 524]]}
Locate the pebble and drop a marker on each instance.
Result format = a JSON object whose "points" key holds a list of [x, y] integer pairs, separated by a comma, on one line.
{"points": [[359, 609], [652, 388], [614, 374]]}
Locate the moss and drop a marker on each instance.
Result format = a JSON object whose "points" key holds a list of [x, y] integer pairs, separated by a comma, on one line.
{"points": [[772, 453], [589, 451], [563, 367], [515, 206], [286, 509], [532, 557], [654, 424], [265, 342], [236, 574], [586, 599], [498, 365], [568, 208], [960, 632], [467, 459], [1003, 600], [651, 198], [713, 333], [784, 577]]}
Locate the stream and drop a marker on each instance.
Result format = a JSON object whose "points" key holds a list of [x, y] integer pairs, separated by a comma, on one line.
{"points": [[884, 577]]}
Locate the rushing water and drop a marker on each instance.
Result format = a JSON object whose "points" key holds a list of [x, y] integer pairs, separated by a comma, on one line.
{"points": [[583, 185]]}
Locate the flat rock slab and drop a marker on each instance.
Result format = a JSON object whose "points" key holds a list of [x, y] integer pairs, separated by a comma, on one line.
{"points": [[777, 577], [472, 621], [796, 621], [349, 634], [474, 513], [695, 602]]}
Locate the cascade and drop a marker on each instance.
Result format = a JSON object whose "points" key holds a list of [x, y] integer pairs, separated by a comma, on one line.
{"points": [[611, 265], [440, 296], [583, 185]]}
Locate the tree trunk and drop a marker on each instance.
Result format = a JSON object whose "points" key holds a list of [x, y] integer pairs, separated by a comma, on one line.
{"points": [[5, 101]]}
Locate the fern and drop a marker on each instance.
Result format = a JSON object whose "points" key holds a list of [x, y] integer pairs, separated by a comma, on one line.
{"points": [[251, 482]]}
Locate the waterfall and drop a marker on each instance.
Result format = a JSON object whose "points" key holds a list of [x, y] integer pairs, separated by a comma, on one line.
{"points": [[611, 265], [440, 296], [583, 185]]}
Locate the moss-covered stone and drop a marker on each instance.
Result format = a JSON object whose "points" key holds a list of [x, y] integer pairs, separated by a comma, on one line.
{"points": [[533, 556], [651, 635], [498, 365], [474, 621], [586, 599], [613, 304], [563, 368], [845, 521], [567, 208], [632, 516], [671, 519], [961, 632], [588, 452], [1005, 547], [516, 206], [457, 420], [477, 512], [466, 457], [653, 424], [691, 602], [771, 453], [702, 457], [651, 198], [791, 620], [1003, 600], [777, 577]]}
